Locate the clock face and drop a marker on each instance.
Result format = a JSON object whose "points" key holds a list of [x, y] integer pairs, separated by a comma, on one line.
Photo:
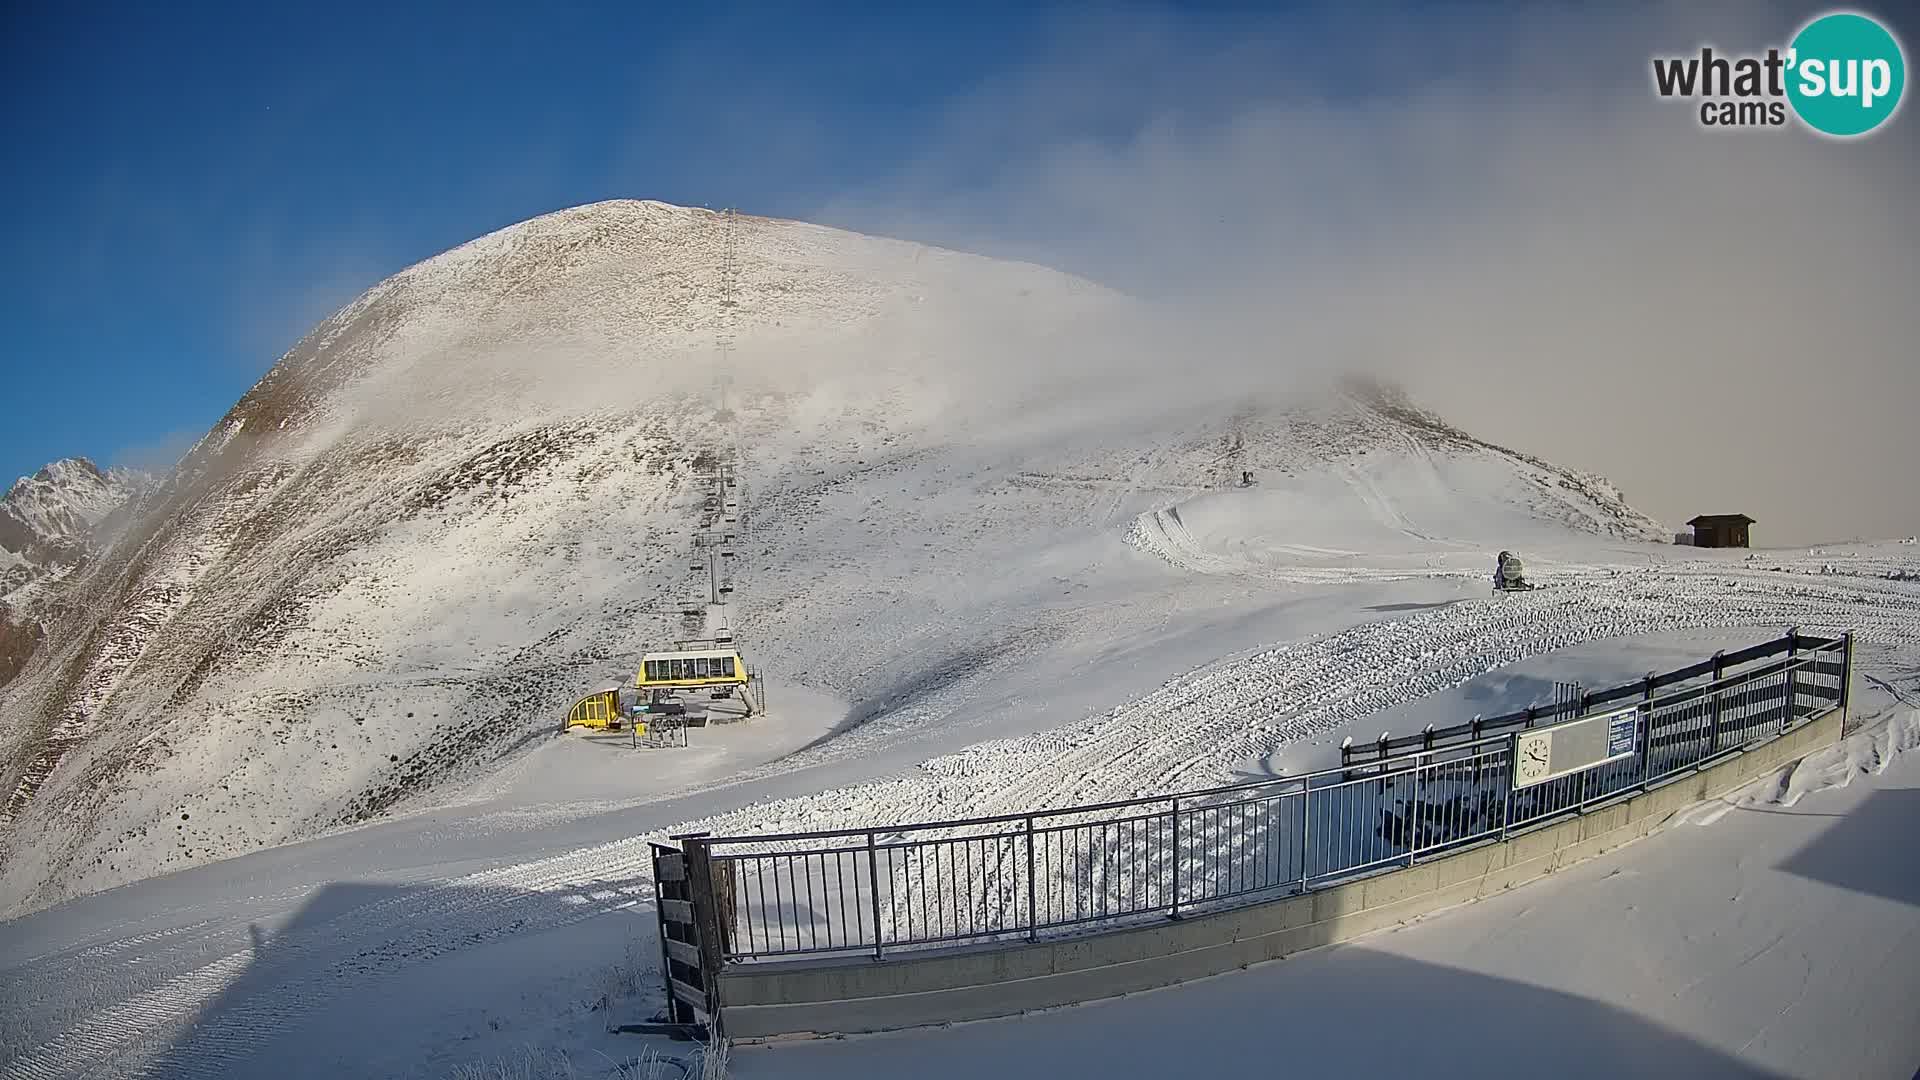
{"points": [[1531, 760]]}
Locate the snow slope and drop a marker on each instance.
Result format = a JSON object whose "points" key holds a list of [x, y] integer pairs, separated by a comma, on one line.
{"points": [[459, 932], [1206, 727], [275, 959], [471, 495]]}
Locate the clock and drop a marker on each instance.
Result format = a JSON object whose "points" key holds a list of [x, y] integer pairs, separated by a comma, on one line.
{"points": [[1532, 753]]}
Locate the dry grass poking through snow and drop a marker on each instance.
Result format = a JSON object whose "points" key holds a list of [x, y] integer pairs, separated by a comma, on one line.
{"points": [[612, 984], [620, 981], [707, 1063], [556, 1065]]}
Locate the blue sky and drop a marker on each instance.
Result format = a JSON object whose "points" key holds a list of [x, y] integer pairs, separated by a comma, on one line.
{"points": [[193, 186], [190, 187]]}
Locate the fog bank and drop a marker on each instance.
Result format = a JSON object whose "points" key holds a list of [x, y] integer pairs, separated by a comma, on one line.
{"points": [[1501, 214]]}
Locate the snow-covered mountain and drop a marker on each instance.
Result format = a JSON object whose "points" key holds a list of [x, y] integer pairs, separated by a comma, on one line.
{"points": [[51, 521], [50, 524], [472, 495]]}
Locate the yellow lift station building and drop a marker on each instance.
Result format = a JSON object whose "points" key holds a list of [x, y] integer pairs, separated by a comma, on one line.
{"points": [[691, 669], [721, 672]]}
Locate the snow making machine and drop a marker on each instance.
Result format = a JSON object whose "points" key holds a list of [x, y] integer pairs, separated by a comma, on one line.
{"points": [[1509, 575]]}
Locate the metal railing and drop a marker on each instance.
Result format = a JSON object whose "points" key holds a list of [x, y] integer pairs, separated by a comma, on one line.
{"points": [[1049, 873], [657, 731], [1714, 667]]}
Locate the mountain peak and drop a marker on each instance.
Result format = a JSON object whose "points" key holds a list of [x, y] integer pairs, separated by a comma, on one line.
{"points": [[61, 472], [49, 519]]}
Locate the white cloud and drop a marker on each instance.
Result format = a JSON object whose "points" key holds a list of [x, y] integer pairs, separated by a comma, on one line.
{"points": [[1514, 224]]}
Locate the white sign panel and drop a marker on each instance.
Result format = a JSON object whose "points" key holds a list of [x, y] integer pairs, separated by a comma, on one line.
{"points": [[1549, 753]]}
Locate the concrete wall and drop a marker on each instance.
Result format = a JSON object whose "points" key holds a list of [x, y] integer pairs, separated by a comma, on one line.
{"points": [[860, 994]]}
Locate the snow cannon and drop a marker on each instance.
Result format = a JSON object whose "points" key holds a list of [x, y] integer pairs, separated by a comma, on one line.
{"points": [[1509, 575]]}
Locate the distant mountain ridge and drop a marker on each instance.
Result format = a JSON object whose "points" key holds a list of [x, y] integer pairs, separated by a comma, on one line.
{"points": [[52, 520]]}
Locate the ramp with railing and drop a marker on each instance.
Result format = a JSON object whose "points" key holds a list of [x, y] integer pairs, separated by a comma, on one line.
{"points": [[840, 900]]}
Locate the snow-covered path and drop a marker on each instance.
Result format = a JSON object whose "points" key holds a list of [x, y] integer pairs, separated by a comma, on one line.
{"points": [[1752, 940]]}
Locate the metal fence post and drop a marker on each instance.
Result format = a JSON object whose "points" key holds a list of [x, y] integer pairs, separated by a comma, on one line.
{"points": [[1646, 734], [1713, 698], [1306, 833], [1580, 707], [1174, 911], [1513, 764], [1846, 675], [1413, 814], [873, 882], [1033, 905], [1793, 642]]}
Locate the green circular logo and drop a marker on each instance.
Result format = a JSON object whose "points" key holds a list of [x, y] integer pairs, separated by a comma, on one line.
{"points": [[1846, 73]]}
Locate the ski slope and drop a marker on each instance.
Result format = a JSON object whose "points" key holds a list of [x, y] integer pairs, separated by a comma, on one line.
{"points": [[382, 928]]}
